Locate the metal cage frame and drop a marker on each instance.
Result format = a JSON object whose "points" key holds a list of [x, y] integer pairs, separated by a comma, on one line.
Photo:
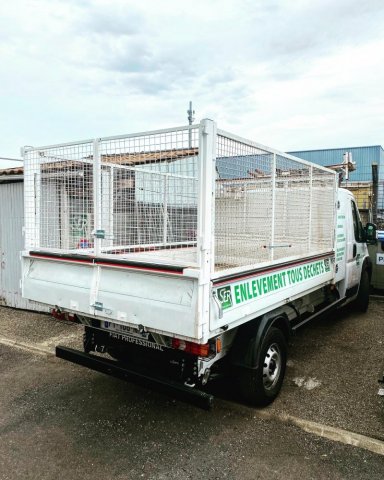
{"points": [[203, 148]]}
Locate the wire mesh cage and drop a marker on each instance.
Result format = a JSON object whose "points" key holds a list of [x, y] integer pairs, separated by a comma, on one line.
{"points": [[144, 197]]}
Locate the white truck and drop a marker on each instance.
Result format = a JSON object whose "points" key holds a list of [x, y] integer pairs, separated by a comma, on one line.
{"points": [[189, 253]]}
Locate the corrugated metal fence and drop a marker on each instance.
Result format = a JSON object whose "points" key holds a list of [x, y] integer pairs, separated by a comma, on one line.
{"points": [[11, 244]]}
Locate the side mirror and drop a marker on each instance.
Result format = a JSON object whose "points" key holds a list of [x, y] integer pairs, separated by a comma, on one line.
{"points": [[370, 234]]}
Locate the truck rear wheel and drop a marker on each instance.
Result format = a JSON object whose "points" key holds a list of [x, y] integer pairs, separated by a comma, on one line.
{"points": [[262, 385], [362, 299]]}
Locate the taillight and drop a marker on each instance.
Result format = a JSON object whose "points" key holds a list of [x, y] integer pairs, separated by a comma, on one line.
{"points": [[190, 347], [59, 315]]}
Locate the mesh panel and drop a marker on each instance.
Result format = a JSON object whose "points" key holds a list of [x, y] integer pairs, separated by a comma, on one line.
{"points": [[322, 213], [59, 197], [269, 206], [138, 193], [242, 204], [149, 194], [292, 210]]}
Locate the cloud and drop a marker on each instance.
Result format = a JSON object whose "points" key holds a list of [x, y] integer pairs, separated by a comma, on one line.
{"points": [[266, 69], [104, 20]]}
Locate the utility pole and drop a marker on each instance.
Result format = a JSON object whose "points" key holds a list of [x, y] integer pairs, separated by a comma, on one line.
{"points": [[191, 119], [375, 188]]}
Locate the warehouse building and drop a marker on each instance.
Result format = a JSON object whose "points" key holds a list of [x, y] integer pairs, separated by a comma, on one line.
{"points": [[369, 194]]}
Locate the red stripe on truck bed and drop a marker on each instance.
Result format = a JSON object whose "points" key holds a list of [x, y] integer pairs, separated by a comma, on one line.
{"points": [[146, 267]]}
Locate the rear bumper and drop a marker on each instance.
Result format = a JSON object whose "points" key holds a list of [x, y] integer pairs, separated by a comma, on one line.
{"points": [[118, 370]]}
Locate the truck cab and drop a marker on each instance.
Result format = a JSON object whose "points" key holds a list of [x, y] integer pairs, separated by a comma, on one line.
{"points": [[353, 267]]}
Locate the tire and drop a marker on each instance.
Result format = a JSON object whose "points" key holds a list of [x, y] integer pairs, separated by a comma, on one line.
{"points": [[260, 387], [362, 300]]}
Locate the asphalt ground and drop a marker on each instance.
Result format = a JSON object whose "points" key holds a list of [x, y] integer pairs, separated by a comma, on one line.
{"points": [[61, 420], [332, 373]]}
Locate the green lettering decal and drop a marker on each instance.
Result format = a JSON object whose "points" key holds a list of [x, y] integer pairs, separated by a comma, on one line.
{"points": [[249, 293], [254, 288], [300, 274], [265, 286], [275, 281], [259, 284], [270, 284], [243, 292], [237, 294]]}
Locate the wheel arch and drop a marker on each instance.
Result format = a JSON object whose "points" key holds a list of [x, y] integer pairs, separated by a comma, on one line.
{"points": [[249, 338]]}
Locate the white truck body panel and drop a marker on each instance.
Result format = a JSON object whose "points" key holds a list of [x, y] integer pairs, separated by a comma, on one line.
{"points": [[244, 296]]}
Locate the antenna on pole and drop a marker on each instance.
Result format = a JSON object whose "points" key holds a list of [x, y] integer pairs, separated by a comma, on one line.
{"points": [[191, 119], [345, 167]]}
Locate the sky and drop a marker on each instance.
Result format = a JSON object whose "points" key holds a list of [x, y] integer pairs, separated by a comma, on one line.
{"points": [[290, 74]]}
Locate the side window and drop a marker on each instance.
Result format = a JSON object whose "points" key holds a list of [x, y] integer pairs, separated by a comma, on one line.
{"points": [[357, 227]]}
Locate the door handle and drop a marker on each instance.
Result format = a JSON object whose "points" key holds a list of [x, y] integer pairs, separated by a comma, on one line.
{"points": [[354, 250]]}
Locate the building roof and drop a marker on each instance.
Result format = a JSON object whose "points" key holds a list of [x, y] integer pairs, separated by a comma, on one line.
{"points": [[363, 156], [11, 171], [139, 158]]}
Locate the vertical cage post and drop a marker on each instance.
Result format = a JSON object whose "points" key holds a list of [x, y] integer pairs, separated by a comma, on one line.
{"points": [[97, 196], [273, 220], [205, 215], [310, 208], [165, 210], [31, 201], [207, 157], [111, 204]]}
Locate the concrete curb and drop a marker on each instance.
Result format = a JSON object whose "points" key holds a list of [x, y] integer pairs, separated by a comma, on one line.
{"points": [[27, 347], [325, 431], [331, 433], [380, 298]]}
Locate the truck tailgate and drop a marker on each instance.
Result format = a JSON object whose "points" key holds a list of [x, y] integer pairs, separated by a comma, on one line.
{"points": [[165, 301]]}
